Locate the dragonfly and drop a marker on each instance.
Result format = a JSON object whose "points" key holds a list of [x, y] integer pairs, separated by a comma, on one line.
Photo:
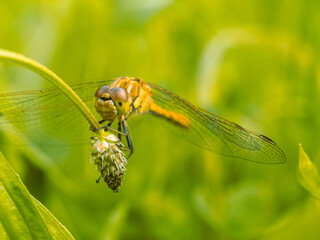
{"points": [[120, 99]]}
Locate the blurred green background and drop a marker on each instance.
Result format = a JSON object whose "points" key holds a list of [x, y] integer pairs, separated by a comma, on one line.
{"points": [[252, 62]]}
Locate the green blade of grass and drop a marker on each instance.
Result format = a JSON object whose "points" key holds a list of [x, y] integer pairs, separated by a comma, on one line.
{"points": [[22, 216], [308, 174]]}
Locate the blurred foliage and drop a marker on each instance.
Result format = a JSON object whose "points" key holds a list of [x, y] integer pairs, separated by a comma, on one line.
{"points": [[252, 62], [308, 174]]}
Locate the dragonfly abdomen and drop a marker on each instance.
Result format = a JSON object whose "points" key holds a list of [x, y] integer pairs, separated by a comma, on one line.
{"points": [[171, 116]]}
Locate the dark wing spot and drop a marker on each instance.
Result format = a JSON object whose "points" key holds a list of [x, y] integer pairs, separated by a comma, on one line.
{"points": [[238, 126], [267, 139]]}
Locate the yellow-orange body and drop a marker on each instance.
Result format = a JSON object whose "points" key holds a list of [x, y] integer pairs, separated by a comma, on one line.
{"points": [[140, 101]]}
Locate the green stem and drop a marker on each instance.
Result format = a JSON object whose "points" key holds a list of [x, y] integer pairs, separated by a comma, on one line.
{"points": [[28, 63]]}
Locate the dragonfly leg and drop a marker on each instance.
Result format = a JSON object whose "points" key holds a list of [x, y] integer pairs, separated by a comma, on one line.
{"points": [[101, 121], [126, 131], [124, 148], [107, 127], [111, 129], [119, 129], [98, 180]]}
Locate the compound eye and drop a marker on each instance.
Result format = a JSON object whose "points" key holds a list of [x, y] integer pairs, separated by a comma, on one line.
{"points": [[102, 90], [118, 94]]}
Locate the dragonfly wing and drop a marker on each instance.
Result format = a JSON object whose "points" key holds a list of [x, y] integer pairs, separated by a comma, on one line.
{"points": [[216, 134], [48, 116]]}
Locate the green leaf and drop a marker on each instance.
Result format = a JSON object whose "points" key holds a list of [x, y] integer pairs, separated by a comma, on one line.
{"points": [[308, 174], [21, 215]]}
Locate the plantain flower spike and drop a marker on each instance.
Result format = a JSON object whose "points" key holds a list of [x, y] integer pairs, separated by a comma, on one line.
{"points": [[109, 160]]}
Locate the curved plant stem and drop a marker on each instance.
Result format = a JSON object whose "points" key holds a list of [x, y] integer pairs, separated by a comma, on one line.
{"points": [[36, 67]]}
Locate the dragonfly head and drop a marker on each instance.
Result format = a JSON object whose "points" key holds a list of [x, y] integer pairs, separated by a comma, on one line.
{"points": [[111, 102]]}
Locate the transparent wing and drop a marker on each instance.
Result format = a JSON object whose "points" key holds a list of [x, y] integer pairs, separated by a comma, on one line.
{"points": [[48, 116], [219, 135]]}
